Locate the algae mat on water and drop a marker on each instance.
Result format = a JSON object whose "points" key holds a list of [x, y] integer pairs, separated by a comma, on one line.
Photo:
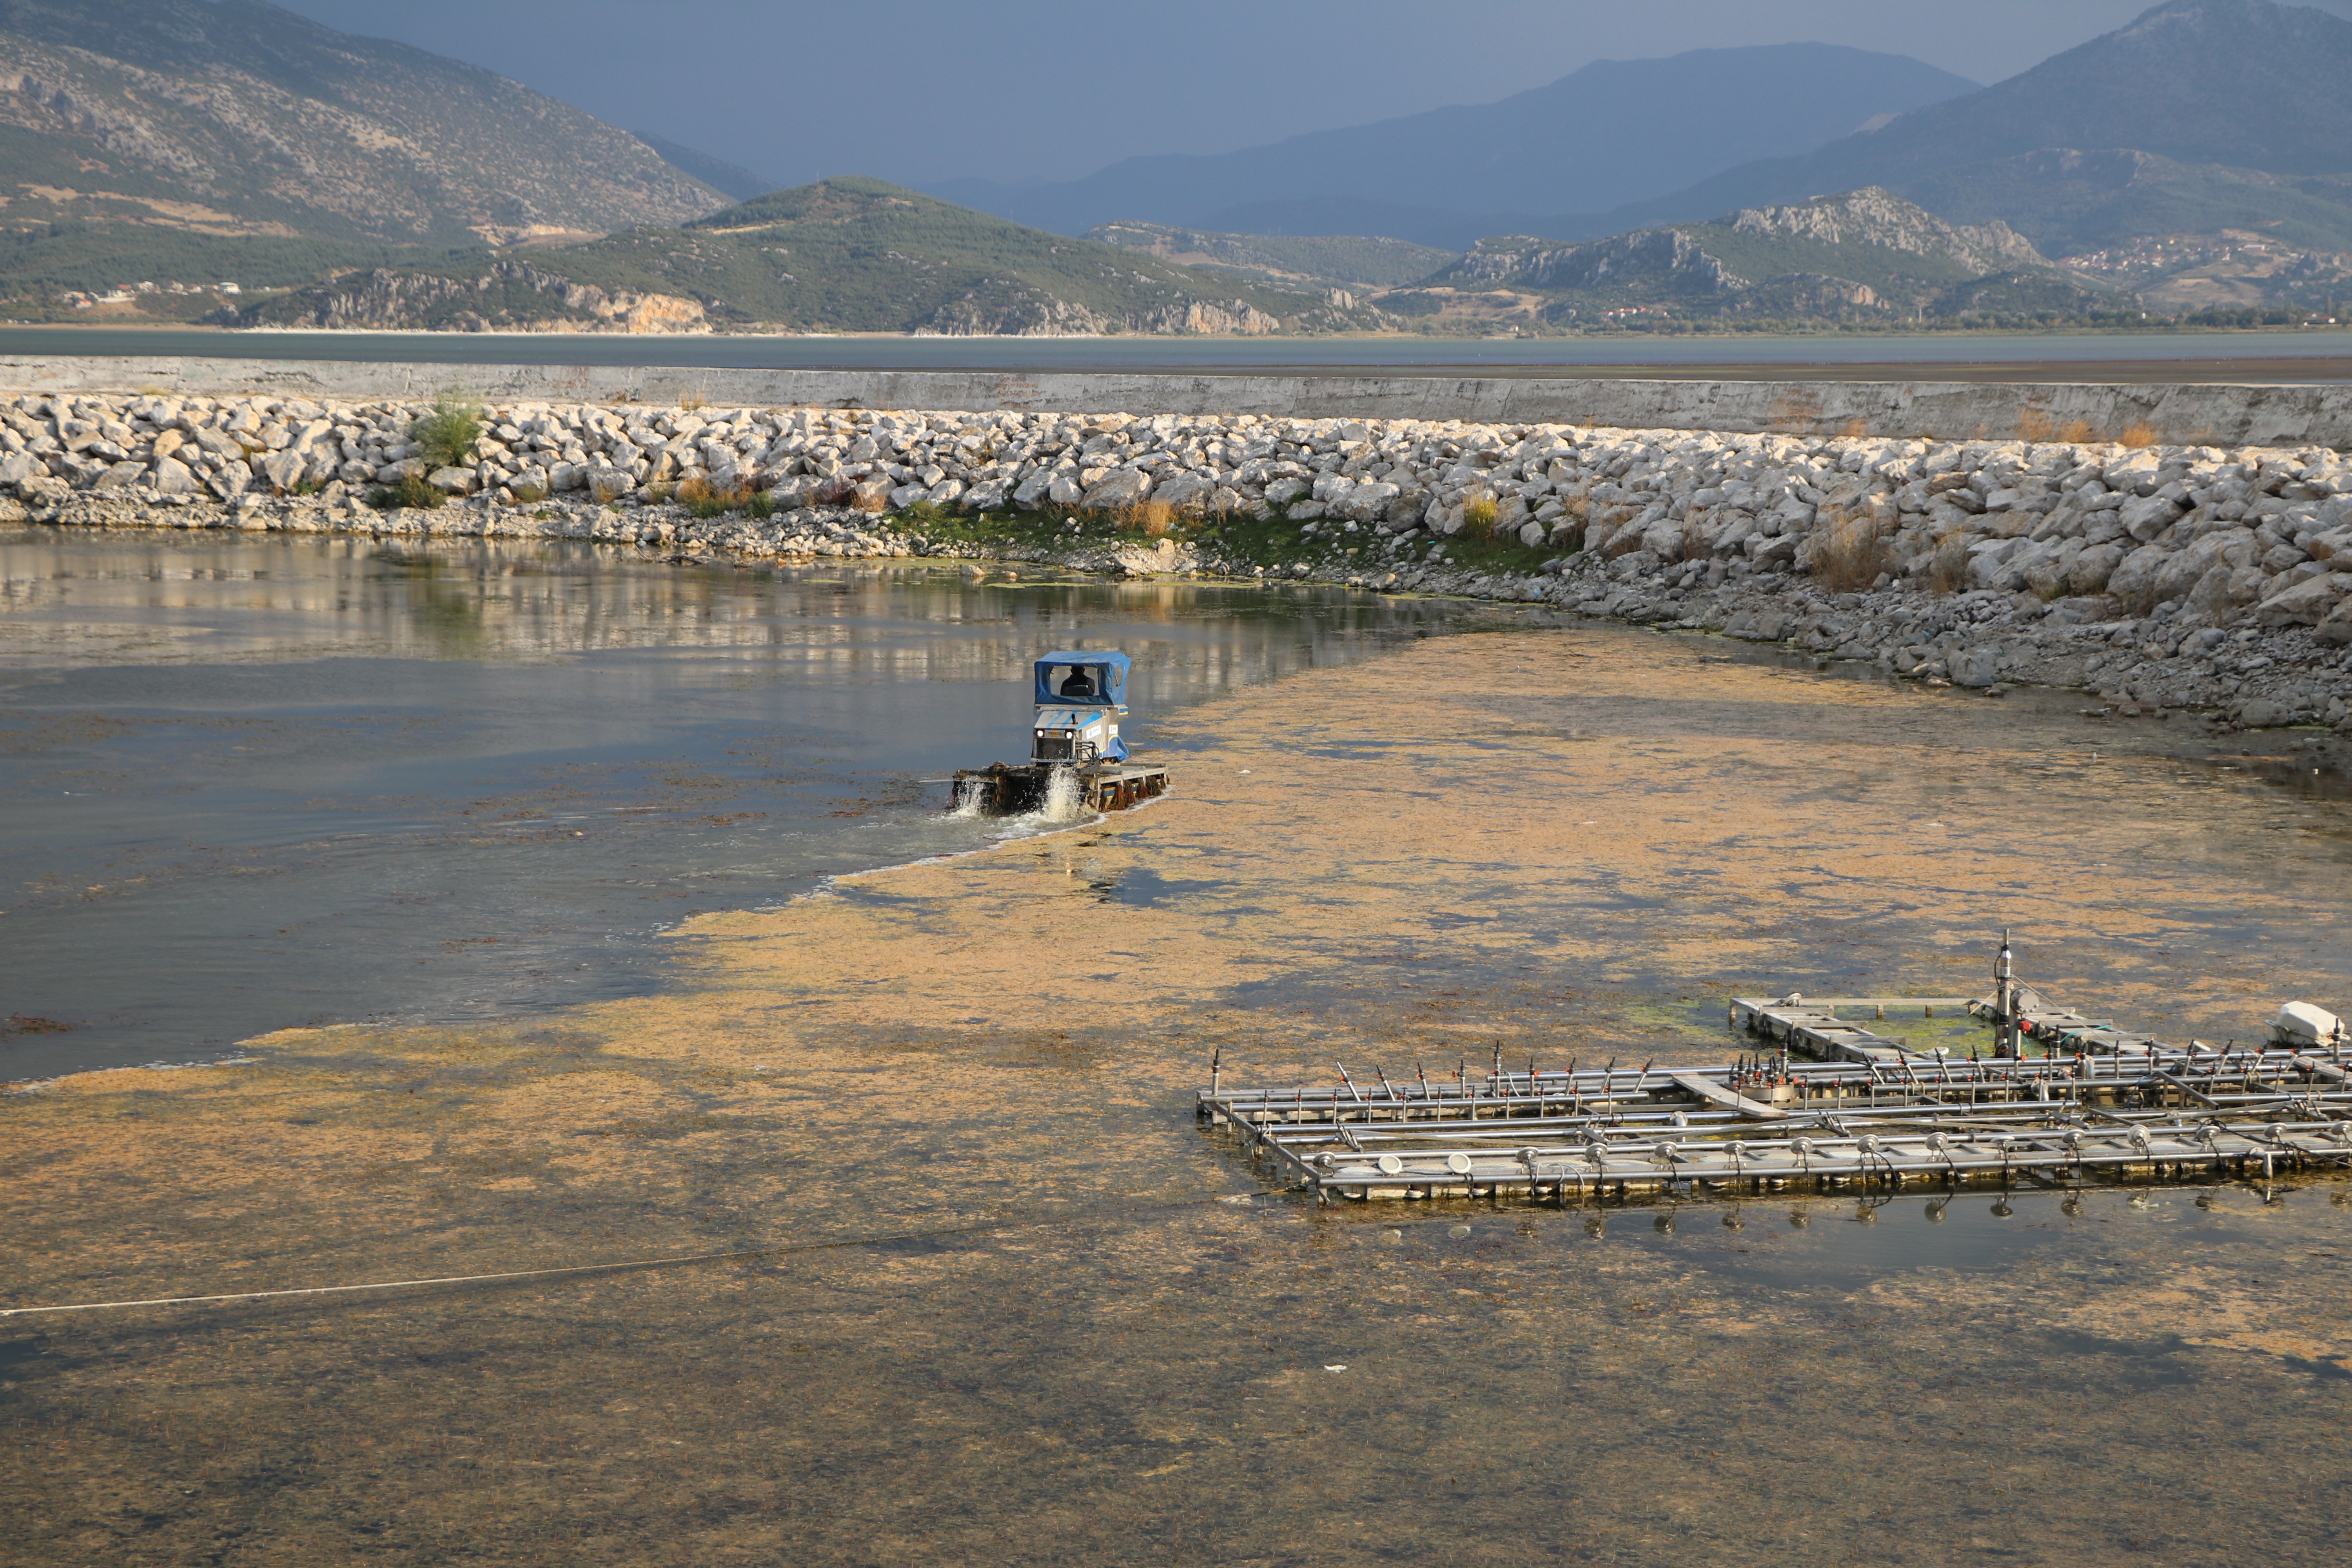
{"points": [[1027, 1319]]}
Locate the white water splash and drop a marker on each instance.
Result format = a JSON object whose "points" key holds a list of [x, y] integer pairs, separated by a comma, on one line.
{"points": [[968, 796], [1063, 802]]}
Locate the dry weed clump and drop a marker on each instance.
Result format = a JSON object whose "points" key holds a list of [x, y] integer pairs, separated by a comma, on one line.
{"points": [[1947, 568], [2142, 434], [1151, 519], [866, 500], [1608, 525], [2041, 428], [1696, 545], [703, 498], [1478, 514], [1852, 554]]}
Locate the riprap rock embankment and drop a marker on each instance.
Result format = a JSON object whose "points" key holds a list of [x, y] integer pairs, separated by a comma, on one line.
{"points": [[2160, 576]]}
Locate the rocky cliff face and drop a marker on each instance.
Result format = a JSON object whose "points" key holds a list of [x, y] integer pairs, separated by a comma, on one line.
{"points": [[241, 117], [1879, 217], [511, 296], [1660, 258], [1860, 254]]}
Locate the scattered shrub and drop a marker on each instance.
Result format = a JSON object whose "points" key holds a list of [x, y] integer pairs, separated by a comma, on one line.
{"points": [[2036, 427], [1947, 568], [1694, 543], [1851, 554], [1151, 519], [2140, 435], [863, 500], [411, 492], [446, 435], [1478, 514], [762, 505], [702, 499], [661, 493], [2079, 433]]}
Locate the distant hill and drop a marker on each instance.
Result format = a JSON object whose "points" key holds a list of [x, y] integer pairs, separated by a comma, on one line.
{"points": [[213, 122], [1349, 260], [2200, 115], [717, 174], [1615, 132], [1865, 256], [842, 254]]}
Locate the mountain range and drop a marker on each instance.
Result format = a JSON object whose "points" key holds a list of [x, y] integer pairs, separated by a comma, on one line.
{"points": [[237, 117], [1447, 176], [2200, 156], [2198, 117]]}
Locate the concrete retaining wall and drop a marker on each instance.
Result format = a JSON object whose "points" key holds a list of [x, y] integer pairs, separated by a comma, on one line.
{"points": [[2177, 414]]}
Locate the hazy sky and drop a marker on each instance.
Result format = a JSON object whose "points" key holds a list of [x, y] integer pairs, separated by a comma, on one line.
{"points": [[917, 90]]}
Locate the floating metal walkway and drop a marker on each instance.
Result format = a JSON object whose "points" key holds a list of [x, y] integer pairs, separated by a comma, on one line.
{"points": [[2099, 1104]]}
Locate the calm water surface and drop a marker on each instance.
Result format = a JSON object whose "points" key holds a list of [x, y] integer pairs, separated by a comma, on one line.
{"points": [[254, 784]]}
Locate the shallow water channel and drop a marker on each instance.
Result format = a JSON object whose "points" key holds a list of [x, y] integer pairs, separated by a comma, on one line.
{"points": [[255, 782]]}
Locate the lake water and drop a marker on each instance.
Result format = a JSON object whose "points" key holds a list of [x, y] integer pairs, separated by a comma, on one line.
{"points": [[2249, 356], [1013, 1306], [254, 783]]}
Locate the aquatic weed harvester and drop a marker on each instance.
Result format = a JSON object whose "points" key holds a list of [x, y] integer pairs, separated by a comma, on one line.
{"points": [[1076, 751]]}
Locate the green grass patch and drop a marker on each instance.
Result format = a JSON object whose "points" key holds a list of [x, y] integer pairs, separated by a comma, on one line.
{"points": [[1241, 537]]}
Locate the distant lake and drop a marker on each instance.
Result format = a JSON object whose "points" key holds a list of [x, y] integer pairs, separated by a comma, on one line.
{"points": [[2284, 357]]}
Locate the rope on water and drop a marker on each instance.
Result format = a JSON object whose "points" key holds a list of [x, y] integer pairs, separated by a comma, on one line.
{"points": [[621, 1268]]}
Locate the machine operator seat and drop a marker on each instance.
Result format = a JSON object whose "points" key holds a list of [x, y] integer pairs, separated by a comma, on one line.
{"points": [[1080, 687]]}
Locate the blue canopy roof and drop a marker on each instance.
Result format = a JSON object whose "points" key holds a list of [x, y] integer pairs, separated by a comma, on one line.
{"points": [[1117, 661], [1115, 667]]}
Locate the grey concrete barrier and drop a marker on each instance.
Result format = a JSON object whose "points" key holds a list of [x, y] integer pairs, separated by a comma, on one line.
{"points": [[2177, 414]]}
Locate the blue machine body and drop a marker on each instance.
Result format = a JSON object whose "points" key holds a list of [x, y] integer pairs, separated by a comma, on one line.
{"points": [[1081, 697]]}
